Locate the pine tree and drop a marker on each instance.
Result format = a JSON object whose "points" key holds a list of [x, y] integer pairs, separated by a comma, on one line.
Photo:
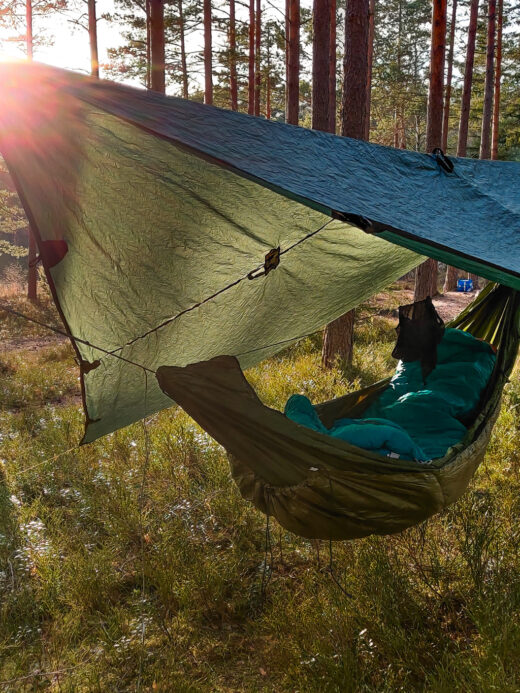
{"points": [[258, 56], [208, 55], [449, 75], [426, 274], [233, 81], [498, 75], [251, 77], [157, 45], [92, 34], [293, 63], [338, 339], [485, 140], [32, 276], [468, 80], [321, 65], [452, 273]]}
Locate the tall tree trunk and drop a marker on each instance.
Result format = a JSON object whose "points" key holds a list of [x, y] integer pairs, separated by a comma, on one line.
{"points": [[182, 39], [148, 47], [157, 44], [427, 274], [268, 77], [92, 36], [485, 140], [32, 276], [468, 80], [436, 91], [29, 29], [251, 78], [399, 109], [338, 340], [339, 335], [233, 82], [321, 65], [208, 57], [450, 281], [371, 29], [452, 274], [258, 67], [355, 69], [287, 37], [332, 68], [498, 75], [447, 96], [293, 72]]}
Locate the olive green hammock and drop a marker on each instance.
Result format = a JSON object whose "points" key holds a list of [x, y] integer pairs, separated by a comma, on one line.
{"points": [[193, 242], [324, 488]]}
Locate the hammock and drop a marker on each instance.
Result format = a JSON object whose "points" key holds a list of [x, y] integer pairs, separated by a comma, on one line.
{"points": [[192, 242], [321, 487]]}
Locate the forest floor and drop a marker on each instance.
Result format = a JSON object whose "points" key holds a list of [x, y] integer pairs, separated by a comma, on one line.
{"points": [[133, 564]]}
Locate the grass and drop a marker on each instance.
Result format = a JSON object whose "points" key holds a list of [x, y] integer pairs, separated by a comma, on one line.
{"points": [[133, 563]]}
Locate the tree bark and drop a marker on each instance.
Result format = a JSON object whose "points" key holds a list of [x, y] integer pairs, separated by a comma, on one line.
{"points": [[233, 81], [293, 72], [208, 57], [468, 80], [268, 77], [148, 47], [476, 283], [338, 339], [29, 29], [184, 61], [426, 275], [450, 281], [251, 63], [332, 68], [287, 36], [371, 29], [485, 139], [355, 70], [452, 274], [32, 276], [436, 91], [447, 95], [498, 75], [157, 45], [92, 35], [426, 280], [321, 65], [258, 44]]}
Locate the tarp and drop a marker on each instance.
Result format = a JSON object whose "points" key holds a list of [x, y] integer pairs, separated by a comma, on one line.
{"points": [[151, 212]]}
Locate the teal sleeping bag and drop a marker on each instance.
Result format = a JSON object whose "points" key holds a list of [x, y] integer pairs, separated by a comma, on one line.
{"points": [[413, 418]]}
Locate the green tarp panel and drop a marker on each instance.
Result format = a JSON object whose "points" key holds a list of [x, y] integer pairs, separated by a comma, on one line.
{"points": [[151, 212]]}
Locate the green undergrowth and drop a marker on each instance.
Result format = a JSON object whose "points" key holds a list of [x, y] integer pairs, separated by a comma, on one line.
{"points": [[133, 563]]}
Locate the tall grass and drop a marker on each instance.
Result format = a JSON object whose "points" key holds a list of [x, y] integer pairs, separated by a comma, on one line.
{"points": [[133, 563]]}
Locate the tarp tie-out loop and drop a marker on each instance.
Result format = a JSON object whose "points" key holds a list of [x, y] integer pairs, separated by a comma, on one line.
{"points": [[361, 222], [443, 161], [271, 262]]}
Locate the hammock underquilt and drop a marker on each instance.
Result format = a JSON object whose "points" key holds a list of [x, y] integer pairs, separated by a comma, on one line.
{"points": [[413, 419]]}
